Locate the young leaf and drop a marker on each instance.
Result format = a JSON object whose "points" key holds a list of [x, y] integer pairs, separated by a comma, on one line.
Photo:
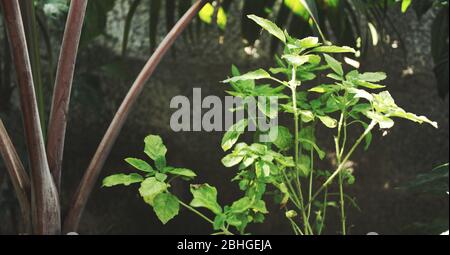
{"points": [[154, 147], [166, 206], [328, 121], [334, 64], [255, 75], [233, 133], [150, 188], [320, 152], [241, 205], [122, 179], [183, 172], [295, 60], [205, 196], [383, 121], [334, 49], [405, 5], [284, 138], [372, 77], [269, 26], [309, 42], [139, 164], [231, 160]]}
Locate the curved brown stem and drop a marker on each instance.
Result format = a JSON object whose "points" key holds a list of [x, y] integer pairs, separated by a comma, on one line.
{"points": [[18, 175], [63, 86], [44, 196], [97, 162]]}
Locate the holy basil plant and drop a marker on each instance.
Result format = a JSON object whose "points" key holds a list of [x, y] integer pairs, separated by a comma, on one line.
{"points": [[350, 103], [155, 189]]}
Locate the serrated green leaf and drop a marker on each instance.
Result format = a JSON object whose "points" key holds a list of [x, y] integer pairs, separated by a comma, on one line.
{"points": [[150, 188], [284, 138], [166, 207], [205, 196], [154, 147]]}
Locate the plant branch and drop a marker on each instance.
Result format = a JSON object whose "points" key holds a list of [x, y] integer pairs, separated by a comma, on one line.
{"points": [[18, 175], [45, 202], [97, 162], [344, 161], [63, 86]]}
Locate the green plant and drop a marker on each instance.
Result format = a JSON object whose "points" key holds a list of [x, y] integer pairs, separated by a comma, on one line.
{"points": [[38, 191], [287, 166], [155, 183]]}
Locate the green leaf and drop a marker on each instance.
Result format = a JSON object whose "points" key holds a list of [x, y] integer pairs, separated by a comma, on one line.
{"points": [[205, 196], [334, 49], [328, 121], [219, 221], [334, 64], [233, 134], [183, 172], [304, 166], [260, 206], [255, 75], [360, 93], [295, 60], [383, 121], [154, 147], [160, 163], [320, 152], [161, 177], [122, 179], [284, 138], [372, 77], [241, 205], [384, 103], [139, 164], [231, 160], [306, 116], [166, 207], [369, 85], [263, 168], [324, 88], [150, 188], [308, 42], [206, 14], [405, 5], [269, 26]]}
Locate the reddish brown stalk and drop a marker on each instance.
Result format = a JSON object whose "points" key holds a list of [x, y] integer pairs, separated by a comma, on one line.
{"points": [[18, 175], [91, 175], [44, 196], [63, 86]]}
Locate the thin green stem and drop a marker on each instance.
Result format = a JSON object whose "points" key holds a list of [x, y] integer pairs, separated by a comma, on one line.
{"points": [[293, 86], [190, 208], [324, 216], [342, 201], [344, 161], [311, 177]]}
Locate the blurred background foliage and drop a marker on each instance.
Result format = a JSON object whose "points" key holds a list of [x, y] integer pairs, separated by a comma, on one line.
{"points": [[119, 35]]}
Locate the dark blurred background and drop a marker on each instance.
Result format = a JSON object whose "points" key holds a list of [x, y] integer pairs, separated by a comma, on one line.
{"points": [[201, 58]]}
